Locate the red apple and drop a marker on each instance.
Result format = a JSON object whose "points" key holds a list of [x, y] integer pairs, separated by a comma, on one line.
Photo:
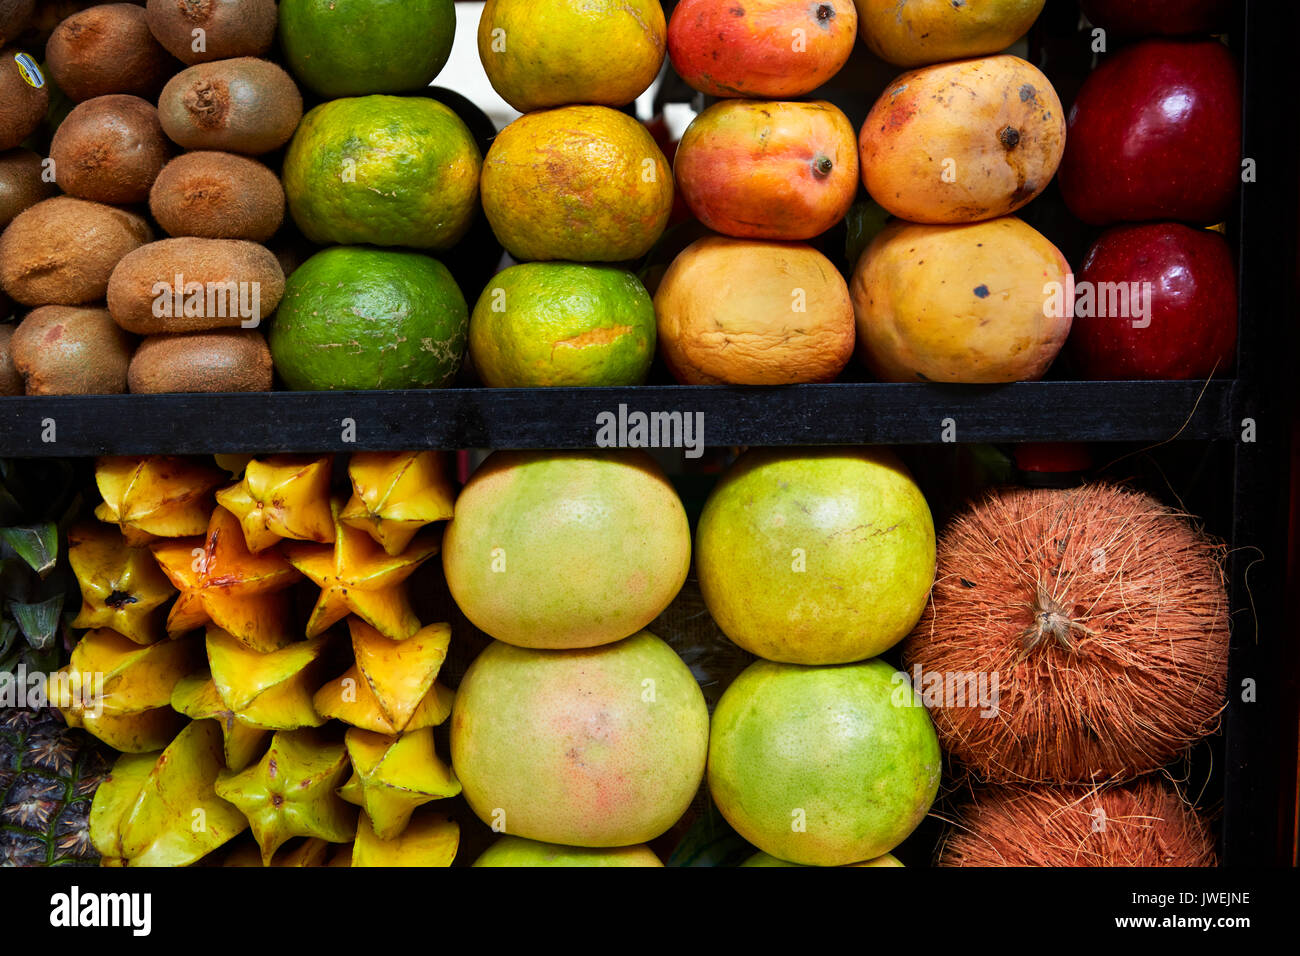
{"points": [[1186, 328], [761, 169], [770, 49], [1155, 133], [1136, 18]]}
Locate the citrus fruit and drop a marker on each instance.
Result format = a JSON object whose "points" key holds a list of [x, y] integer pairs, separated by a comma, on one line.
{"points": [[584, 183], [601, 747], [383, 170], [516, 851], [766, 859], [539, 53], [820, 556], [823, 766], [369, 318], [562, 323], [355, 47], [566, 549]]}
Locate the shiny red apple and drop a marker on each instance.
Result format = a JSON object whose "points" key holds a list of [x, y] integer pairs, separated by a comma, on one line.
{"points": [[1155, 134], [1136, 18], [1155, 301]]}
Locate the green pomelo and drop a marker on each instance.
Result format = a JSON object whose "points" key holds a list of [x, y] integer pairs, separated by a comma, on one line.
{"points": [[602, 747], [356, 318], [562, 323], [354, 47], [818, 556], [823, 766], [566, 549], [516, 851], [383, 170]]}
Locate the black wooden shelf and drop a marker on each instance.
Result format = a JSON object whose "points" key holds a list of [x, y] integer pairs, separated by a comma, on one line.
{"points": [[866, 413]]}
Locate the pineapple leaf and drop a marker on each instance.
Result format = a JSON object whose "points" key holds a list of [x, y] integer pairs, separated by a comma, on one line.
{"points": [[39, 622], [8, 637], [36, 544]]}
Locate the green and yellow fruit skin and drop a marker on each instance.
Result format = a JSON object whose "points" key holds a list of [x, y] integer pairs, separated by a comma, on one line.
{"points": [[355, 47], [568, 549], [384, 171], [516, 851], [562, 323], [823, 766], [766, 859], [820, 556], [601, 747]]}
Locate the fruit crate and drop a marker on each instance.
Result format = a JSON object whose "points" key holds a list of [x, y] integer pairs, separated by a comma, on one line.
{"points": [[1241, 422]]}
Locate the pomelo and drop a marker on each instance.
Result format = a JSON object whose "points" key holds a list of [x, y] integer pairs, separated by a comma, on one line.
{"points": [[816, 556], [566, 549], [562, 323], [601, 747], [823, 766], [766, 859], [584, 183], [360, 318], [516, 851], [540, 53]]}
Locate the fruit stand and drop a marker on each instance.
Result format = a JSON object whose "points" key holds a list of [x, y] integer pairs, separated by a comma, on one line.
{"points": [[1211, 449]]}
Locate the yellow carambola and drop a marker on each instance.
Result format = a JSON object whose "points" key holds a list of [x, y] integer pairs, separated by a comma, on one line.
{"points": [[269, 690], [395, 494], [155, 496], [121, 586], [393, 776], [429, 840], [284, 496]]}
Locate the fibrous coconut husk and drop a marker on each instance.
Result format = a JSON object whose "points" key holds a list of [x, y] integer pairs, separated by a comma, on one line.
{"points": [[1103, 617], [1144, 823]]}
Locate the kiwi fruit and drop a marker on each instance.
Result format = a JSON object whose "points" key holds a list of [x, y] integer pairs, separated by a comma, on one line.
{"points": [[11, 383], [22, 105], [21, 183], [230, 27], [14, 15], [217, 196], [244, 105], [61, 350], [223, 360], [108, 49], [62, 250], [110, 149], [228, 273]]}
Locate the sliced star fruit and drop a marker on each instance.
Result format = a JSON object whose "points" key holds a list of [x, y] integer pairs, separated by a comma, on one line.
{"points": [[350, 700], [395, 494], [196, 697], [160, 809], [400, 673], [121, 586], [291, 791], [430, 839], [223, 583], [284, 496], [272, 690], [111, 674], [156, 496], [356, 576], [391, 778]]}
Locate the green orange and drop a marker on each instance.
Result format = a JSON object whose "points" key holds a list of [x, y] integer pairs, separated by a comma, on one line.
{"points": [[384, 171], [562, 323], [823, 766]]}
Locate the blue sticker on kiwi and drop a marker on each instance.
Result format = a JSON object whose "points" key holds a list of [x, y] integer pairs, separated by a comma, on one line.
{"points": [[29, 71]]}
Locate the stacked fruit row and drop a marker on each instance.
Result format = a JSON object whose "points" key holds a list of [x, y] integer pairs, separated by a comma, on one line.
{"points": [[88, 265]]}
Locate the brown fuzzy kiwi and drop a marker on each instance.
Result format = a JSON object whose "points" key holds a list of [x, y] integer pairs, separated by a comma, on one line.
{"points": [[110, 149], [244, 105], [108, 49], [136, 292], [218, 196], [62, 250], [60, 350], [14, 16], [230, 27], [22, 105], [11, 383], [21, 183], [224, 360]]}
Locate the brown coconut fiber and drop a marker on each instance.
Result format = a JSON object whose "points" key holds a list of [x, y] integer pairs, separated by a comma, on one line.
{"points": [[1103, 616], [1144, 823]]}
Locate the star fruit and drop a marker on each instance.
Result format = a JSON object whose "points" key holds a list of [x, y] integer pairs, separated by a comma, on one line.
{"points": [[121, 586], [272, 690], [284, 496], [196, 697], [156, 496], [392, 777], [395, 494], [430, 840]]}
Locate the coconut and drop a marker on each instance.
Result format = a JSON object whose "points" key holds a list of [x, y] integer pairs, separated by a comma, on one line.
{"points": [[1094, 623], [1144, 823]]}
